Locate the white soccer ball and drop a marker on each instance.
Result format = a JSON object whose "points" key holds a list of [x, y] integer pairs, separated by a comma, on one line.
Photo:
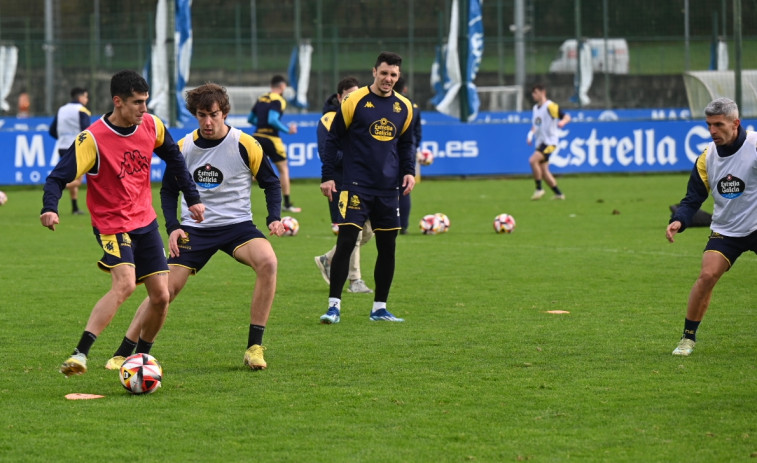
{"points": [[141, 374], [443, 222], [291, 226], [3, 198], [430, 225], [504, 223], [425, 157]]}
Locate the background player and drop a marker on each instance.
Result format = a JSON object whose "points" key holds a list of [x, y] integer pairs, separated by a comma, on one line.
{"points": [[547, 117], [266, 117], [71, 119]]}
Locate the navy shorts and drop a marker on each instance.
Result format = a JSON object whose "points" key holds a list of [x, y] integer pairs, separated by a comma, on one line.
{"points": [[546, 150], [334, 208], [202, 243], [143, 251], [357, 208], [731, 247], [273, 147]]}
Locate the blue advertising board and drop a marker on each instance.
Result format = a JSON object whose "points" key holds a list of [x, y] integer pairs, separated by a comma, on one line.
{"points": [[472, 149]]}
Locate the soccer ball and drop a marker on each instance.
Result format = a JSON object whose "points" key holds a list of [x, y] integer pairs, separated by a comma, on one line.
{"points": [[3, 198], [335, 228], [504, 223], [443, 222], [141, 374], [291, 226], [425, 157], [430, 225]]}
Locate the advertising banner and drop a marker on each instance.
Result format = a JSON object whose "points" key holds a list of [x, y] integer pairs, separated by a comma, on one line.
{"points": [[459, 149]]}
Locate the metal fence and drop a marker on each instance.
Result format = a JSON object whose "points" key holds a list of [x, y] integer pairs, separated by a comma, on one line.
{"points": [[241, 43]]}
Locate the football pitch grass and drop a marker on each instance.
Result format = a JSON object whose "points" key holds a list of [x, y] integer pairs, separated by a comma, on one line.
{"points": [[480, 370]]}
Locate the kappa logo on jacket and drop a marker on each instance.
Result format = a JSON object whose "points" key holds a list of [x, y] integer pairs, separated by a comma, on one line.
{"points": [[133, 163]]}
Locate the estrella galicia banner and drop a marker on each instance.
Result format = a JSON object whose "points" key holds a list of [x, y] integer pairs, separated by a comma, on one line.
{"points": [[459, 149]]}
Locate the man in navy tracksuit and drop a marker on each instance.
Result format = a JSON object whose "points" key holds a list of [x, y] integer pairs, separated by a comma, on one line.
{"points": [[372, 127]]}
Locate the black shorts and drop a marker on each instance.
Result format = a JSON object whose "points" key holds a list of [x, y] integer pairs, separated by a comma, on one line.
{"points": [[273, 147], [730, 247], [546, 150], [143, 251], [334, 208], [357, 208], [202, 243]]}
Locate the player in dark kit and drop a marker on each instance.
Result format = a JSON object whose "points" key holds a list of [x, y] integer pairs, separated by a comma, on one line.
{"points": [[266, 117], [372, 127]]}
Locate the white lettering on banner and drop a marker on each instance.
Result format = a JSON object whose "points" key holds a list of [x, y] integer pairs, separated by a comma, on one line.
{"points": [[299, 153], [641, 149], [452, 148], [699, 132], [672, 114], [30, 156]]}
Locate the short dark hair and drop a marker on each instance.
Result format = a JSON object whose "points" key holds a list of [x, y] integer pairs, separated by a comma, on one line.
{"points": [[278, 79], [539, 87], [76, 92], [124, 83], [203, 97], [347, 82], [392, 59]]}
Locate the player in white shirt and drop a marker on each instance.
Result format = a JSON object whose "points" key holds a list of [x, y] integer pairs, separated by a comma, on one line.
{"points": [[546, 120], [224, 163], [71, 119]]}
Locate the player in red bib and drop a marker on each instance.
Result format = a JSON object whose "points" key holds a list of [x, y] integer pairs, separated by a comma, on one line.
{"points": [[116, 153]]}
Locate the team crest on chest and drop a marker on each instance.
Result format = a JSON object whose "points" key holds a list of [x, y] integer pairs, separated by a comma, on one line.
{"points": [[396, 107]]}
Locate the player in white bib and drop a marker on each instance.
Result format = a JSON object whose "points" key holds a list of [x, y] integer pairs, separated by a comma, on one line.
{"points": [[547, 118], [223, 162], [727, 169]]}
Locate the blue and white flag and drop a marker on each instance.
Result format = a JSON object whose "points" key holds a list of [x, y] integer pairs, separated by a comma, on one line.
{"points": [[299, 74], [8, 63], [183, 41], [438, 73], [475, 53], [447, 77]]}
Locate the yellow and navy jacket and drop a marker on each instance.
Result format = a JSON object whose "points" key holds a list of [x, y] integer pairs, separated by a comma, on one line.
{"points": [[266, 114], [376, 141]]}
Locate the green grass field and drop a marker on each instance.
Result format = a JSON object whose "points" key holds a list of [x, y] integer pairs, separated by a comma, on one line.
{"points": [[478, 372]]}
